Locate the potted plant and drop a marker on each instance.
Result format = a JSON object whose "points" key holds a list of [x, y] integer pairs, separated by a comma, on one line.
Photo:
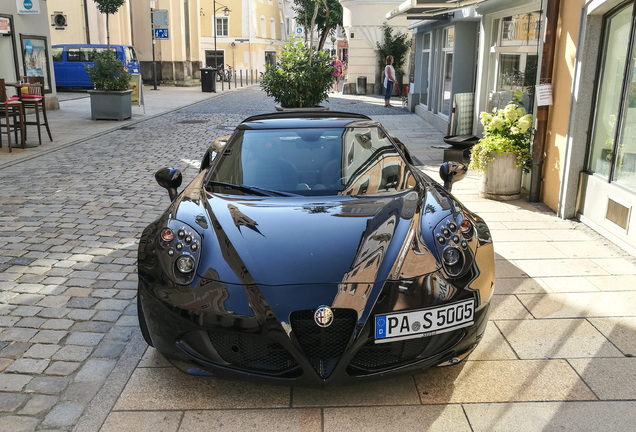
{"points": [[503, 153], [110, 100], [300, 78]]}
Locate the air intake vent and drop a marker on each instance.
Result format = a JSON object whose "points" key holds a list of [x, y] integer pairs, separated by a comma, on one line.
{"points": [[323, 346], [617, 213]]}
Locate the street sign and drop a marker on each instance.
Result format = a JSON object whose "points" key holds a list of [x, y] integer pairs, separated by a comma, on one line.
{"points": [[160, 18], [299, 31], [161, 33]]}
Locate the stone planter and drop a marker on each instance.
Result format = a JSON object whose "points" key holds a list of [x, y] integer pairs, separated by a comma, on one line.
{"points": [[316, 108], [502, 179], [110, 105]]}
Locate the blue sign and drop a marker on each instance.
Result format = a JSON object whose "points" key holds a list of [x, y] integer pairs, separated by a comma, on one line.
{"points": [[161, 33], [28, 4], [28, 46]]}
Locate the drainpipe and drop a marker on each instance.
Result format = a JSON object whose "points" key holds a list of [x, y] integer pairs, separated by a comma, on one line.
{"points": [[547, 63], [86, 26]]}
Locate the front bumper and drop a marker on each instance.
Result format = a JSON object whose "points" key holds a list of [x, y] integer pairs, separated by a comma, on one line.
{"points": [[202, 339]]}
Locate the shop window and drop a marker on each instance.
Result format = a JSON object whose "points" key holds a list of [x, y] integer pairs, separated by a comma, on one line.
{"points": [[214, 58], [425, 68], [447, 71], [517, 50], [270, 58], [612, 149]]}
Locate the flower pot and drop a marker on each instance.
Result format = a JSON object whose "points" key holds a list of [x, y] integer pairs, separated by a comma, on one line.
{"points": [[110, 105], [301, 109], [502, 179]]}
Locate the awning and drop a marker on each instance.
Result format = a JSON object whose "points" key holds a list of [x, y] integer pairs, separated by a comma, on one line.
{"points": [[421, 9]]}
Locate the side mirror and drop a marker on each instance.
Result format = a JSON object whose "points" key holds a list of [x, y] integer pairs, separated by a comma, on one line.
{"points": [[452, 172], [170, 179]]}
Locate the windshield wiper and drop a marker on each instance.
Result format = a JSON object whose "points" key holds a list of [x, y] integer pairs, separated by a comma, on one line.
{"points": [[255, 190]]}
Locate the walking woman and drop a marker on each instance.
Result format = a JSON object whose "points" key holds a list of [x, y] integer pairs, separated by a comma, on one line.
{"points": [[389, 80]]}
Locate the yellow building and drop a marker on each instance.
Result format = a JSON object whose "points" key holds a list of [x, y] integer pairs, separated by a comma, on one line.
{"points": [[249, 33]]}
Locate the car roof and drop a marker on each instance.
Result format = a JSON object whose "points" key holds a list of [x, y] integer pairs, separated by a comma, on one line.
{"points": [[305, 119]]}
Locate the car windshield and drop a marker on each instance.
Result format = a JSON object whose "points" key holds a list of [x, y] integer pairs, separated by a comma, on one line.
{"points": [[310, 162]]}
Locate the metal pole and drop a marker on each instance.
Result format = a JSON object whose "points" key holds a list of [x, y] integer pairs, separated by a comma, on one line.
{"points": [[154, 63], [216, 66]]}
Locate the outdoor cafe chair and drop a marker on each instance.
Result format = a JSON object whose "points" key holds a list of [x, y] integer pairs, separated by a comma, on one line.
{"points": [[11, 117], [32, 97]]}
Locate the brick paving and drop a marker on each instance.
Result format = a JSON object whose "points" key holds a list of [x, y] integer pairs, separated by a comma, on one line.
{"points": [[70, 221]]}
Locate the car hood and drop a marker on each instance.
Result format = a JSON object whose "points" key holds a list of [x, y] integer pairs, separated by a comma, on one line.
{"points": [[302, 240], [290, 241]]}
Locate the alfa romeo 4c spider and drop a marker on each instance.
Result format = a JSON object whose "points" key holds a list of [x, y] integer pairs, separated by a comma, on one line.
{"points": [[310, 250]]}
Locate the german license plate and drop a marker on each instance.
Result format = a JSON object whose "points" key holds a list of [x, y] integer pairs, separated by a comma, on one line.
{"points": [[424, 322]]}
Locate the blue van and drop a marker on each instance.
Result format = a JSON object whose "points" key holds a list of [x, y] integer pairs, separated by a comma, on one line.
{"points": [[69, 61]]}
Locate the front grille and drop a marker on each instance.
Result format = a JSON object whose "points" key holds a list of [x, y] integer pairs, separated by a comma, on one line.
{"points": [[323, 346], [374, 357], [252, 352]]}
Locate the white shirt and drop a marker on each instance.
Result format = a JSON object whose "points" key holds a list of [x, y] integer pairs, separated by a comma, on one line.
{"points": [[386, 74]]}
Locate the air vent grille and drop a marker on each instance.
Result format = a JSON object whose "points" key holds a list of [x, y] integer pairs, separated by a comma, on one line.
{"points": [[617, 213]]}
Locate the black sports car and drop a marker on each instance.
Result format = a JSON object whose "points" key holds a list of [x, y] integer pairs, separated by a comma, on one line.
{"points": [[310, 251]]}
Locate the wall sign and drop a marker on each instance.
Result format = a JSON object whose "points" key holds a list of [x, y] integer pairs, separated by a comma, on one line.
{"points": [[28, 7], [5, 27], [544, 94]]}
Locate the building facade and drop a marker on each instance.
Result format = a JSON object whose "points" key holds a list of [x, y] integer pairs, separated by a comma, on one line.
{"points": [[25, 44], [589, 158], [362, 23]]}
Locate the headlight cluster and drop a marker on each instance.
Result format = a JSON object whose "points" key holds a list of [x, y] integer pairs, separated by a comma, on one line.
{"points": [[453, 236], [181, 249]]}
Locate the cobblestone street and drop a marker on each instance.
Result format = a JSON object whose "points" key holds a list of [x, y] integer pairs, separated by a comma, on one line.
{"points": [[557, 355], [70, 225]]}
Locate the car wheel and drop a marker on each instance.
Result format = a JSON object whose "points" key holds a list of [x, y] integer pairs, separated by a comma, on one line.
{"points": [[142, 322]]}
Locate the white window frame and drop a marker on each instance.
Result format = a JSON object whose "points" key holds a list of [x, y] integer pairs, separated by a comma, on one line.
{"points": [[225, 27]]}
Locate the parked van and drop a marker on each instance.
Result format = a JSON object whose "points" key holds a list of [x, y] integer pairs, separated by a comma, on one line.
{"points": [[69, 61]]}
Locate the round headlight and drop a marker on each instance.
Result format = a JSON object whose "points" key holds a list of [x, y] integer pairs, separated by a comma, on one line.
{"points": [[451, 256], [185, 264]]}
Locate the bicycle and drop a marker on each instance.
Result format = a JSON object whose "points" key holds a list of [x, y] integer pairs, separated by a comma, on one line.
{"points": [[224, 74]]}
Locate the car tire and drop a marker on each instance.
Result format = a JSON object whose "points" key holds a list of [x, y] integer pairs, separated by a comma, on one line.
{"points": [[142, 322]]}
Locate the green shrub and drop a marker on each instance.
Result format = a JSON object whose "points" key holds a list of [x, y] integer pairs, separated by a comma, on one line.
{"points": [[300, 78], [108, 72], [505, 130]]}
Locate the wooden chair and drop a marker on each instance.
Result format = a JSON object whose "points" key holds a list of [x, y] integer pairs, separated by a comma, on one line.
{"points": [[12, 113], [34, 99]]}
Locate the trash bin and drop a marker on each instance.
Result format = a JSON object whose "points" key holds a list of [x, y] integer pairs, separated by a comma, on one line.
{"points": [[361, 85], [208, 82]]}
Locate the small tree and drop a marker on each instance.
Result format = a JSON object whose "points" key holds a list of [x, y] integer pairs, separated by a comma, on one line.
{"points": [[108, 7], [397, 46], [326, 15], [300, 78]]}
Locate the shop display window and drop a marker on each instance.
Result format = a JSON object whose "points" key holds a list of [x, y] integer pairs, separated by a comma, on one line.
{"points": [[517, 58], [612, 149]]}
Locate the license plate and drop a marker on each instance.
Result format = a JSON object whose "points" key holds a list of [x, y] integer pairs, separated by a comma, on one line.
{"points": [[424, 322]]}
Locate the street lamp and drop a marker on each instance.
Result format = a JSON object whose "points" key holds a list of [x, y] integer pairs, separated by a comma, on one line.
{"points": [[226, 12], [333, 45]]}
